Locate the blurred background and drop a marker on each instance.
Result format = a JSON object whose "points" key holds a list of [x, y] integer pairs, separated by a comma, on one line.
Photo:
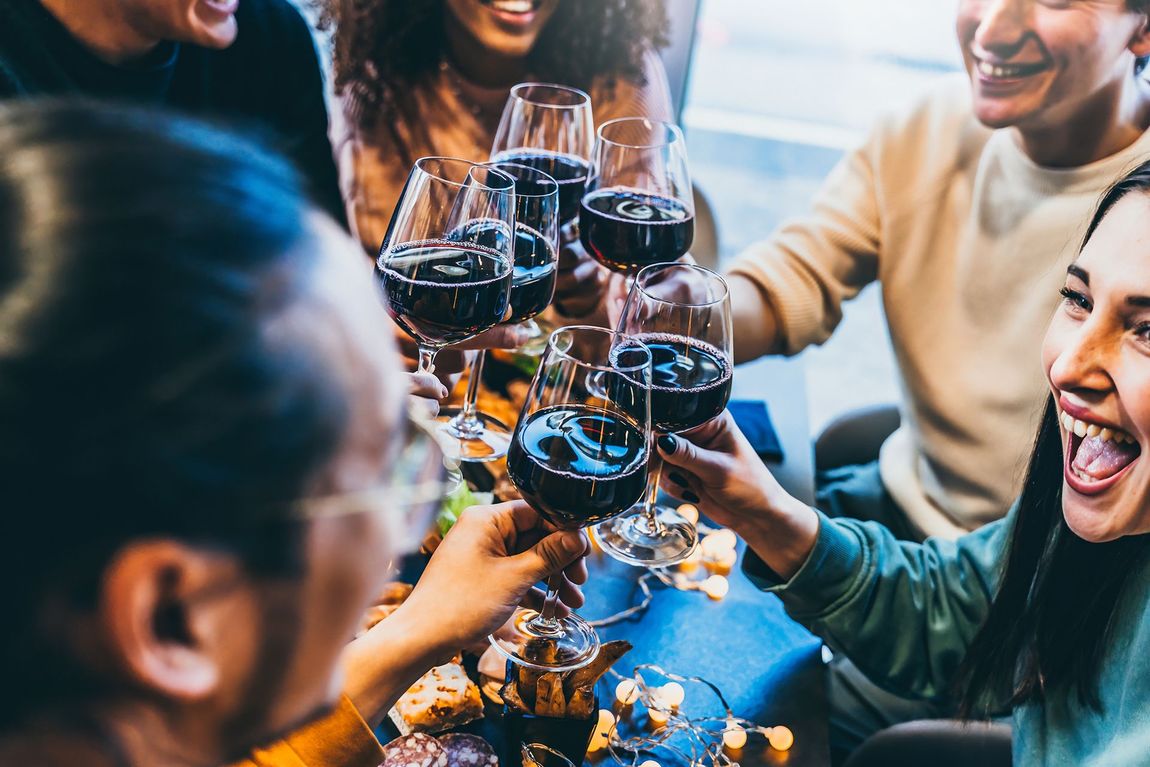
{"points": [[774, 93]]}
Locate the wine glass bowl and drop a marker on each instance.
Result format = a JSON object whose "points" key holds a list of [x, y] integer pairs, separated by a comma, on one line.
{"points": [[638, 206], [549, 127]]}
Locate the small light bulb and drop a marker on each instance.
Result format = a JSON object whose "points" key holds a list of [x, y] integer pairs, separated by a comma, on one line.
{"points": [[734, 737], [716, 587], [627, 692], [781, 738], [657, 717], [689, 512], [718, 542], [598, 742], [672, 694], [722, 564], [650, 763]]}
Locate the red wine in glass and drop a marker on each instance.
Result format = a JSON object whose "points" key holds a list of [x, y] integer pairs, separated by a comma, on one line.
{"points": [[578, 465], [442, 292], [626, 230], [569, 171], [690, 381], [533, 277]]}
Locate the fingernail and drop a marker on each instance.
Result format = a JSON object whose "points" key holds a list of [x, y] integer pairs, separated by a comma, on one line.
{"points": [[677, 478], [443, 392], [690, 497], [667, 444]]}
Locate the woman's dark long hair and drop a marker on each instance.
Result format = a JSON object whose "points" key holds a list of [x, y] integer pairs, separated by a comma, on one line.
{"points": [[145, 389], [383, 48], [1051, 622]]}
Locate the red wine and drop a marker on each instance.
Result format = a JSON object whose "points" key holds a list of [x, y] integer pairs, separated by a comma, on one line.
{"points": [[441, 292], [569, 171], [626, 230], [578, 465], [533, 280], [690, 384]]}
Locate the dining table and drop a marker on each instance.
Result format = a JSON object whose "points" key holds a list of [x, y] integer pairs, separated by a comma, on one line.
{"points": [[769, 669]]}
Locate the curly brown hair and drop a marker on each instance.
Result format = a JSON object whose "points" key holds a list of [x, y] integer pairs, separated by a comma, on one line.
{"points": [[384, 47]]}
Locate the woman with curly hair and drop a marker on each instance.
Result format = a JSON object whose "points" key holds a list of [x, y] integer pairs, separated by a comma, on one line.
{"points": [[420, 77]]}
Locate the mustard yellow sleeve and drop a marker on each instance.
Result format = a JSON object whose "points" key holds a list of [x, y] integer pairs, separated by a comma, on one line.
{"points": [[340, 739]]}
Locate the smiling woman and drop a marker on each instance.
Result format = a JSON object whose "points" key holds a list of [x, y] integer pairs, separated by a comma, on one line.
{"points": [[1044, 613]]}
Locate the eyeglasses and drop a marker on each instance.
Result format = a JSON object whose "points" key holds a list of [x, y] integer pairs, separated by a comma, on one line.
{"points": [[415, 484]]}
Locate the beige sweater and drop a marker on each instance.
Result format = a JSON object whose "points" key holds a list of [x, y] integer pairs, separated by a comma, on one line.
{"points": [[460, 119], [970, 241]]}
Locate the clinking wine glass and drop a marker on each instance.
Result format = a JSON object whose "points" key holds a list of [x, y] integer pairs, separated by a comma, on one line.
{"points": [[682, 313], [446, 259], [638, 208], [549, 127], [479, 436], [577, 457]]}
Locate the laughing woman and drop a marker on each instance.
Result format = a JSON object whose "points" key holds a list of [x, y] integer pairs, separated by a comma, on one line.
{"points": [[430, 77], [1046, 612]]}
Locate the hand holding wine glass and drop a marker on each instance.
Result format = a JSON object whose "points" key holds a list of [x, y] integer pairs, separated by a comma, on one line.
{"points": [[578, 457], [682, 313]]}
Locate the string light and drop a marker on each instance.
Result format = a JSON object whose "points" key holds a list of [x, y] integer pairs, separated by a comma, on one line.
{"points": [[672, 694], [696, 742], [716, 587], [689, 512], [627, 692], [717, 543], [603, 730]]}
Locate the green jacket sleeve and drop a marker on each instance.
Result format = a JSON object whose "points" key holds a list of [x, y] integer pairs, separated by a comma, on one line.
{"points": [[903, 613]]}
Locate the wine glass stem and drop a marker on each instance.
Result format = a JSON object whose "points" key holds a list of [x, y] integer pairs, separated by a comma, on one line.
{"points": [[545, 622], [474, 377], [650, 518], [427, 360]]}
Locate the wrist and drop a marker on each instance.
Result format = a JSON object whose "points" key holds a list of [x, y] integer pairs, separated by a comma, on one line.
{"points": [[784, 536]]}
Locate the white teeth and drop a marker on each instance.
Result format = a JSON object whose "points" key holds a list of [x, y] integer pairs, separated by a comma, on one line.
{"points": [[1084, 430], [513, 6], [1000, 72]]}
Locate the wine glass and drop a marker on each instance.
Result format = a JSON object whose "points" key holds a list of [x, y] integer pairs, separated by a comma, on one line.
{"points": [[682, 313], [637, 207], [549, 127], [577, 458], [446, 258], [482, 437]]}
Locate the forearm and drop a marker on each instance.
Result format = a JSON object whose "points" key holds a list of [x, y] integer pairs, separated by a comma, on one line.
{"points": [[757, 328], [783, 536], [383, 663]]}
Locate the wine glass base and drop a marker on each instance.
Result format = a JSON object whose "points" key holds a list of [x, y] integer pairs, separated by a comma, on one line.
{"points": [[575, 644], [630, 537], [486, 439]]}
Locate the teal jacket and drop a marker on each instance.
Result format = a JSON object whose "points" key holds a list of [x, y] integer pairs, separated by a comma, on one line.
{"points": [[905, 614]]}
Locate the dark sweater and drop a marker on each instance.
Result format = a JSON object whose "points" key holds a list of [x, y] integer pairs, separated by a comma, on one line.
{"points": [[268, 82]]}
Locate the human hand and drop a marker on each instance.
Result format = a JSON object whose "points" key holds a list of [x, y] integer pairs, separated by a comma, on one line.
{"points": [[488, 564], [716, 468]]}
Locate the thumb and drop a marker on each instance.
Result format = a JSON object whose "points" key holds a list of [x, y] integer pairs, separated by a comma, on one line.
{"points": [[553, 553], [707, 465]]}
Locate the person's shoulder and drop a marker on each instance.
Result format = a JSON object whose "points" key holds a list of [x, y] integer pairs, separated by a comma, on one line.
{"points": [[944, 109]]}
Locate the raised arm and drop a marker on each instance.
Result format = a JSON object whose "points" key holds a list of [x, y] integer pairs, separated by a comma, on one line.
{"points": [[904, 613]]}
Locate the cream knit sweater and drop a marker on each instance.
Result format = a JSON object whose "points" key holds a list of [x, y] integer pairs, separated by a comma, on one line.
{"points": [[970, 241]]}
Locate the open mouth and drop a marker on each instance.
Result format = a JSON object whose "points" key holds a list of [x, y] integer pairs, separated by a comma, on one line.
{"points": [[513, 7], [1097, 455], [1007, 72]]}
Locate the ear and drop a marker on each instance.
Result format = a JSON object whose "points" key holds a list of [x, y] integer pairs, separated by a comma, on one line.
{"points": [[1140, 41], [161, 607]]}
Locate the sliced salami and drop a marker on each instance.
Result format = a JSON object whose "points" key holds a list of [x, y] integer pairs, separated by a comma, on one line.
{"points": [[465, 750], [415, 750]]}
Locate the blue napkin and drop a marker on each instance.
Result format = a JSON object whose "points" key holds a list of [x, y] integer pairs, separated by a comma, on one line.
{"points": [[755, 422]]}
